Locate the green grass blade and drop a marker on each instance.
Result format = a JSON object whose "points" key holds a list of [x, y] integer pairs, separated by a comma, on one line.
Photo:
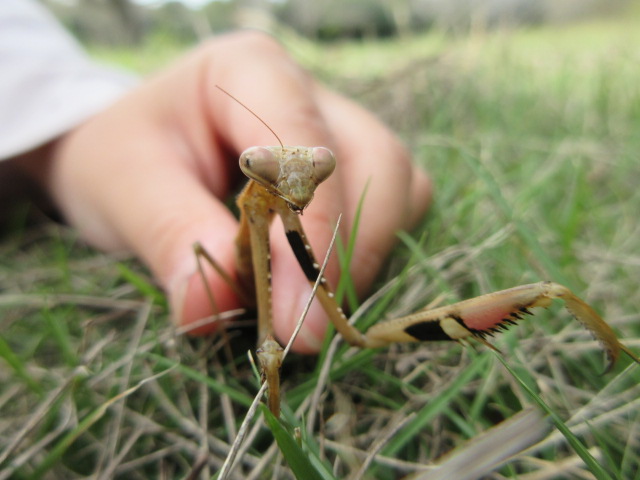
{"points": [[212, 383], [435, 407], [574, 441], [142, 285], [527, 235], [345, 286], [18, 367], [56, 453], [60, 333], [293, 453]]}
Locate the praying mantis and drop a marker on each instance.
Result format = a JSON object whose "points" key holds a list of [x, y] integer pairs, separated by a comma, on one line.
{"points": [[282, 181]]}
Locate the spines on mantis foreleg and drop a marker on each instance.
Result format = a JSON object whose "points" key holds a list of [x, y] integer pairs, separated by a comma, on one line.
{"points": [[491, 313], [476, 317]]}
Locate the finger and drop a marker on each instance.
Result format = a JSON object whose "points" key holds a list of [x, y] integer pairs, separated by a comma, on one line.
{"points": [[285, 101], [142, 195], [397, 192], [258, 72]]}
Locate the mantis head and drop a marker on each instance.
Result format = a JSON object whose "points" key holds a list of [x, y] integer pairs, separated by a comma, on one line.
{"points": [[291, 173]]}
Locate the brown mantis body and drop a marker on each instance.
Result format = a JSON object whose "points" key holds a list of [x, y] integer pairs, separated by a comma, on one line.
{"points": [[282, 181]]}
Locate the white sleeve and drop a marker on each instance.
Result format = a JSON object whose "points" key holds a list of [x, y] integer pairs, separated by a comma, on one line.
{"points": [[48, 85]]}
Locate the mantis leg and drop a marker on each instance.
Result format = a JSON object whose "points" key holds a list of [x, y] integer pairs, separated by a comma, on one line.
{"points": [[477, 317], [490, 313], [304, 254], [254, 270]]}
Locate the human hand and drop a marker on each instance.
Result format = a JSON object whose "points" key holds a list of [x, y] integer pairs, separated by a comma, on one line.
{"points": [[150, 174]]}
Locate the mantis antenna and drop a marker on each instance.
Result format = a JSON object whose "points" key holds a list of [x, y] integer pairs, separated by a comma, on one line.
{"points": [[252, 113]]}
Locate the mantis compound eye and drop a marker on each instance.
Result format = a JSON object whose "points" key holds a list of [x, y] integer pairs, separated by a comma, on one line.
{"points": [[324, 163], [261, 165]]}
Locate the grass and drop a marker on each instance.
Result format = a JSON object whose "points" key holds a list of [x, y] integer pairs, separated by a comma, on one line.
{"points": [[531, 138]]}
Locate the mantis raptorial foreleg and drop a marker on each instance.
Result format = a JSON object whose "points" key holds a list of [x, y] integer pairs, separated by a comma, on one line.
{"points": [[282, 181], [473, 318]]}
